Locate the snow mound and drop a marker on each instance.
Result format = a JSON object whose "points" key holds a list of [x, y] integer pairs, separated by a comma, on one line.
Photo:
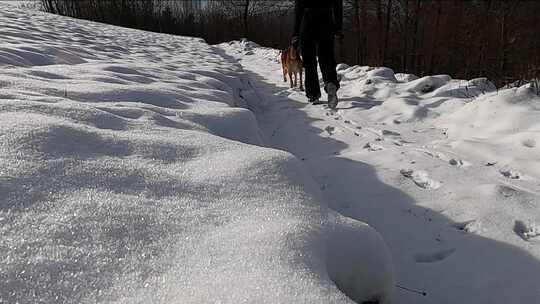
{"points": [[250, 48], [130, 173], [502, 127], [403, 77], [405, 98], [382, 74], [365, 274], [427, 84]]}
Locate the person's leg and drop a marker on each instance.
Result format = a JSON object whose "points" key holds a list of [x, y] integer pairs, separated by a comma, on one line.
{"points": [[327, 60], [327, 63], [309, 56], [283, 66]]}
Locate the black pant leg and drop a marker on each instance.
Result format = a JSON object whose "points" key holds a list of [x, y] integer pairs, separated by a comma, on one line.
{"points": [[309, 57], [327, 59]]}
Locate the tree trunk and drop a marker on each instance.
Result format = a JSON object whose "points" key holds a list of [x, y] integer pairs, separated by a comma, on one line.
{"points": [[356, 31], [435, 38], [363, 46], [414, 51], [405, 51], [387, 32], [379, 59], [245, 18]]}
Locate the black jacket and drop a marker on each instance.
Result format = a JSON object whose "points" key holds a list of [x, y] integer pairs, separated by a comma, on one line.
{"points": [[325, 14]]}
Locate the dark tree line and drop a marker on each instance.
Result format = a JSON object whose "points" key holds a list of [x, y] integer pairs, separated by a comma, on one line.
{"points": [[499, 39]]}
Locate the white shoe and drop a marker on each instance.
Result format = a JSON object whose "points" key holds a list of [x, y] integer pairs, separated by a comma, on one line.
{"points": [[331, 90]]}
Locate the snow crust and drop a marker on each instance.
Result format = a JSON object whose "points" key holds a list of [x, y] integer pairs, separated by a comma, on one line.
{"points": [[132, 172]]}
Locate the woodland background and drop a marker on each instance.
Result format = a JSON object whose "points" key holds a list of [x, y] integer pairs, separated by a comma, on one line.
{"points": [[498, 39]]}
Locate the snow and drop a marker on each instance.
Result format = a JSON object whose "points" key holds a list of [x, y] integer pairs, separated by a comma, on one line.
{"points": [[138, 167], [134, 170], [502, 126], [446, 170]]}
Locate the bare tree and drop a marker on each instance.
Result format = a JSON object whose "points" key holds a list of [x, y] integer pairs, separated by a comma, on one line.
{"points": [[499, 39]]}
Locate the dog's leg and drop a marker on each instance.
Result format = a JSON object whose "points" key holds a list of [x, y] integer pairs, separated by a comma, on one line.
{"points": [[290, 79], [284, 73], [295, 79]]}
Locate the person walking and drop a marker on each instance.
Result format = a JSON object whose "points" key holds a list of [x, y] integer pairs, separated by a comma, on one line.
{"points": [[316, 24]]}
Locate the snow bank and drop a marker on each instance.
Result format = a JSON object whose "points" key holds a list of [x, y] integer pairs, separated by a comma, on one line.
{"points": [[405, 98], [129, 174], [503, 127], [498, 126]]}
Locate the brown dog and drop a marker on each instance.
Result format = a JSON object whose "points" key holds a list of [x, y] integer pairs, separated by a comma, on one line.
{"points": [[292, 65]]}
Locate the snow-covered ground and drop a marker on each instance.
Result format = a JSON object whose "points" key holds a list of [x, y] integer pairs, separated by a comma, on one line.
{"points": [[446, 170], [132, 172], [144, 168]]}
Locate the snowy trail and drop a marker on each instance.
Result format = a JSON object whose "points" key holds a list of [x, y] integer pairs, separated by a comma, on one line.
{"points": [[132, 172], [456, 226], [138, 167]]}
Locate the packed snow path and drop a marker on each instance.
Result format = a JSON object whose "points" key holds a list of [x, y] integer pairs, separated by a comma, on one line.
{"points": [[461, 227]]}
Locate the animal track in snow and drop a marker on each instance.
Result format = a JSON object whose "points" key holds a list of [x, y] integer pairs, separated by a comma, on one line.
{"points": [[526, 231], [433, 257], [421, 179]]}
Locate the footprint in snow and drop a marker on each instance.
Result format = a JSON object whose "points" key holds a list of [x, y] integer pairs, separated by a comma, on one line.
{"points": [[468, 226], [501, 191], [529, 143], [330, 130], [433, 257], [506, 191], [459, 163], [526, 231], [373, 147], [452, 161], [421, 179], [511, 174], [389, 133]]}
